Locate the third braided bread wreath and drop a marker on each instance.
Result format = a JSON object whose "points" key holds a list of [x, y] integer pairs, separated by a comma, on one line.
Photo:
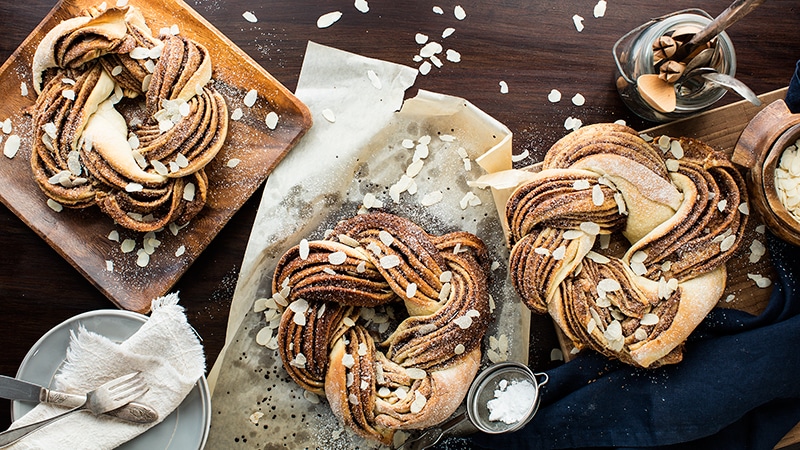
{"points": [[680, 204]]}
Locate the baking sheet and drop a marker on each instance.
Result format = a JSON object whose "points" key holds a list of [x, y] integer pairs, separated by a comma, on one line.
{"points": [[325, 179], [81, 236]]}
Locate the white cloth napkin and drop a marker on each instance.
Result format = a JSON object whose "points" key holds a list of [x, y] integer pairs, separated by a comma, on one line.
{"points": [[165, 349]]}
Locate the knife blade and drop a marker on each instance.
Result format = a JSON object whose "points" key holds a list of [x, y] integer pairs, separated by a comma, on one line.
{"points": [[15, 389]]}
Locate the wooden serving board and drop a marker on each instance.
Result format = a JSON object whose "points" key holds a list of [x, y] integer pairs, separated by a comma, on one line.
{"points": [[81, 236], [721, 128]]}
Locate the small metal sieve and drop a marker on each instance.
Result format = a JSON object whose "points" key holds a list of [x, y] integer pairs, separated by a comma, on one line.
{"points": [[477, 412], [483, 390]]}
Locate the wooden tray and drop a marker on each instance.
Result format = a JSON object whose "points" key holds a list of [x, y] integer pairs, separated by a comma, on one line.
{"points": [[81, 236], [720, 128]]}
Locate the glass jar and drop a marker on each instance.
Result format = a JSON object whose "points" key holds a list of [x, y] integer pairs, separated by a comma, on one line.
{"points": [[633, 55]]}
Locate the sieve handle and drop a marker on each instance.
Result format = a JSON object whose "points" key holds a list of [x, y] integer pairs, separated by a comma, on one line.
{"points": [[430, 437]]}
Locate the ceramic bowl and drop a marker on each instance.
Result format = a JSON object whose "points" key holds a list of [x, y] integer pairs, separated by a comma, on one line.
{"points": [[759, 149]]}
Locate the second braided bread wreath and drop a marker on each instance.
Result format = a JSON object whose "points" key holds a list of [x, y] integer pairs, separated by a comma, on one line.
{"points": [[680, 204], [418, 375]]}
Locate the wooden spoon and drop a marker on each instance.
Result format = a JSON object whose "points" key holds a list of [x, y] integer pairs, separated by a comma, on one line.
{"points": [[656, 92], [731, 15]]}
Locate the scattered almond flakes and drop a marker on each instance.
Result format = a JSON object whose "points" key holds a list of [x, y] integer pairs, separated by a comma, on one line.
{"points": [[415, 373], [361, 6], [374, 79], [54, 205], [300, 360], [761, 281], [11, 147], [598, 198], [337, 258], [233, 162], [578, 100], [578, 22], [503, 87], [255, 417], [329, 115], [250, 17], [757, 250], [263, 336], [459, 12], [418, 403], [727, 243], [142, 258], [744, 208], [572, 123], [271, 120], [390, 261], [600, 8], [554, 96], [250, 98], [237, 114], [469, 199], [649, 319], [453, 56], [328, 19]]}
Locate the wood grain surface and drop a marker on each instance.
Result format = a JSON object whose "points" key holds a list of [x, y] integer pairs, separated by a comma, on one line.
{"points": [[531, 46]]}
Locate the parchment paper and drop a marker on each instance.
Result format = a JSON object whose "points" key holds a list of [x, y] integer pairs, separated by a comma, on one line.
{"points": [[325, 179]]}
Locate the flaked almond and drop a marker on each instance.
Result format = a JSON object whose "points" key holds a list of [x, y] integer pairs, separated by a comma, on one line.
{"points": [[328, 19], [418, 403], [337, 258], [598, 198], [304, 249], [390, 261]]}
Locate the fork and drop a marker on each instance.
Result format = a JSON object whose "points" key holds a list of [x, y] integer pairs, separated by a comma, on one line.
{"points": [[108, 397]]}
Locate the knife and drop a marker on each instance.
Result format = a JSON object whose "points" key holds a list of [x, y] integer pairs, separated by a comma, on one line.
{"points": [[15, 389]]}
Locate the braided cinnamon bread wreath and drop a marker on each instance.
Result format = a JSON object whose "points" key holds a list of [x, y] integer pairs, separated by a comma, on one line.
{"points": [[83, 151], [680, 204], [417, 376]]}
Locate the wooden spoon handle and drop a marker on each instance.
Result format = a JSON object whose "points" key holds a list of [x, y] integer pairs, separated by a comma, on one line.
{"points": [[731, 15]]}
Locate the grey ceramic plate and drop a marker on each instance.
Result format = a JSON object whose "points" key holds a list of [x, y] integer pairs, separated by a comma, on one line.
{"points": [[185, 429]]}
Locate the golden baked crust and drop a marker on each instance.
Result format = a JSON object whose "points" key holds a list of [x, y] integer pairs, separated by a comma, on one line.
{"points": [[679, 208], [85, 153], [418, 375]]}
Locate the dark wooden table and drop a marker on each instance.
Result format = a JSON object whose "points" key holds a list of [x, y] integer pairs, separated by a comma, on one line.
{"points": [[532, 46]]}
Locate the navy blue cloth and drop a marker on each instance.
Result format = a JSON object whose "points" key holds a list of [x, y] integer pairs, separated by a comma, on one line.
{"points": [[738, 386]]}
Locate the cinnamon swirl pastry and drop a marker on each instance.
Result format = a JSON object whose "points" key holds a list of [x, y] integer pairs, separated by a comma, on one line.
{"points": [[677, 201], [417, 376], [84, 151]]}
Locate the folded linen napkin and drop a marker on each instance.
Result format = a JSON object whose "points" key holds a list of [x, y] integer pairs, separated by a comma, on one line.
{"points": [[737, 387], [165, 349]]}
